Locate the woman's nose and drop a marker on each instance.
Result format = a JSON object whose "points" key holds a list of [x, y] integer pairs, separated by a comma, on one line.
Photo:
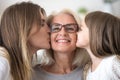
{"points": [[62, 31], [47, 28]]}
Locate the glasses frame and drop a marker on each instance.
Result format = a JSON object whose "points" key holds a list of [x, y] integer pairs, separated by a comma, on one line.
{"points": [[61, 26]]}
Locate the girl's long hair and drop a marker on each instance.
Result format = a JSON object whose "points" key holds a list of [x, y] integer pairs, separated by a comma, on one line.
{"points": [[16, 24]]}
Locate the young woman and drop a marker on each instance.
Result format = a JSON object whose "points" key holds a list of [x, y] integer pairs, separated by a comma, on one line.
{"points": [[21, 35], [99, 34], [63, 61]]}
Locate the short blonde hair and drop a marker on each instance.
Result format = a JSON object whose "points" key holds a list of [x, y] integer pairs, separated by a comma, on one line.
{"points": [[81, 55]]}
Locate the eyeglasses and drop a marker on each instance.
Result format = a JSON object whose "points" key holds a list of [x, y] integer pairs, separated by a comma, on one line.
{"points": [[73, 27]]}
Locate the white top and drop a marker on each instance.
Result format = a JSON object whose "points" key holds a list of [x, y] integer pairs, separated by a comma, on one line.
{"points": [[108, 69], [4, 68]]}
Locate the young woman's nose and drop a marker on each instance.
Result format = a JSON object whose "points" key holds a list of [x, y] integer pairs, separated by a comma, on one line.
{"points": [[47, 28]]}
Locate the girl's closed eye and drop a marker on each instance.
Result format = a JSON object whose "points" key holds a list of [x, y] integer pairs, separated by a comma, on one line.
{"points": [[80, 28], [42, 22]]}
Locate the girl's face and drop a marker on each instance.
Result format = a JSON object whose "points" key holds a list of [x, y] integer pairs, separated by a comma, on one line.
{"points": [[63, 39], [83, 36], [39, 36]]}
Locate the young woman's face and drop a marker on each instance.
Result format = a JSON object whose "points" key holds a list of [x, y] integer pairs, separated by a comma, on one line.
{"points": [[63, 39], [83, 36], [39, 36]]}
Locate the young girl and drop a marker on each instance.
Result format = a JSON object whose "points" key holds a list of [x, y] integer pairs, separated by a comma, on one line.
{"points": [[99, 34]]}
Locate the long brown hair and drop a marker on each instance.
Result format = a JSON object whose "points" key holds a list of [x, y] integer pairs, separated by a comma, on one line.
{"points": [[16, 23], [104, 30]]}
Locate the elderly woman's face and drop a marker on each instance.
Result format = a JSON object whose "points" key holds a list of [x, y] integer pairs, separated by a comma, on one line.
{"points": [[63, 33]]}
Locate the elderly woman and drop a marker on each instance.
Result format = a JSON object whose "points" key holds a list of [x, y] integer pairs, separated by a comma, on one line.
{"points": [[64, 61]]}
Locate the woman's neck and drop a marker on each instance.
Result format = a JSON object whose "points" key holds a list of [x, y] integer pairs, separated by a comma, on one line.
{"points": [[63, 63]]}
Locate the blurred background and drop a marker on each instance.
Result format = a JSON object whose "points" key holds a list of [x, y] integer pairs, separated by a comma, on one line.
{"points": [[82, 7]]}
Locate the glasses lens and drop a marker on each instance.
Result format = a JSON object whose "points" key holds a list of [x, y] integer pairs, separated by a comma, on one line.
{"points": [[55, 27], [71, 27], [68, 27]]}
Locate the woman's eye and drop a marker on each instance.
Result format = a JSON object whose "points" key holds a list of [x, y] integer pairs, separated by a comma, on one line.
{"points": [[70, 29], [79, 29], [55, 29], [42, 24]]}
